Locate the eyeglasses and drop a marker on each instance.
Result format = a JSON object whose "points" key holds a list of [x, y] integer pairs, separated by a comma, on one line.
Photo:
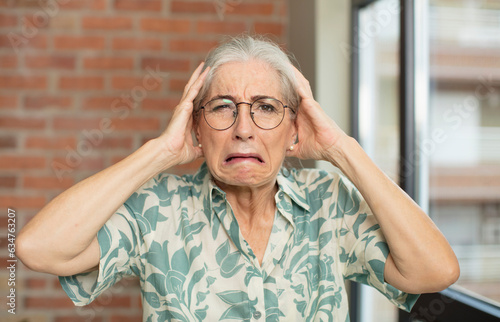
{"points": [[221, 113]]}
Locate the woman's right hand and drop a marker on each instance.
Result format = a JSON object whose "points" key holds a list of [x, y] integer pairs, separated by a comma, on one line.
{"points": [[177, 140]]}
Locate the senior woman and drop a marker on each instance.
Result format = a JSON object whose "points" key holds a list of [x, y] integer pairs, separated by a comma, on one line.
{"points": [[243, 238]]}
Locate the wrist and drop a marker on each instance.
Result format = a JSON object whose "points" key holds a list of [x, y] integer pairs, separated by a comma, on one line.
{"points": [[159, 156], [345, 155]]}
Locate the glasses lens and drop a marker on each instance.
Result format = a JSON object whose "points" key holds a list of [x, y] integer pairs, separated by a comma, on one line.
{"points": [[267, 113], [220, 113]]}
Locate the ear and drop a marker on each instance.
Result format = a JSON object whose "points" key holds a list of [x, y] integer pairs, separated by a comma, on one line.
{"points": [[196, 130], [294, 133]]}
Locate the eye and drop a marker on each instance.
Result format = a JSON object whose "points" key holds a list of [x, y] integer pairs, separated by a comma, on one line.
{"points": [[221, 105], [266, 107]]}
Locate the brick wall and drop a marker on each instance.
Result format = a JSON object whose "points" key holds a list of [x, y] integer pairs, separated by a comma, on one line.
{"points": [[83, 83]]}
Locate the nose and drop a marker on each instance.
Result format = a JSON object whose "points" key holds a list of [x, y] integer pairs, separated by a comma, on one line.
{"points": [[244, 127]]}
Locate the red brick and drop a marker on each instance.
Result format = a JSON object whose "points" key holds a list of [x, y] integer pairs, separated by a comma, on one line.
{"points": [[43, 183], [8, 101], [177, 85], [191, 45], [159, 104], [75, 123], [242, 8], [113, 301], [114, 143], [138, 5], [16, 40], [22, 202], [165, 25], [269, 28], [166, 64], [52, 62], [50, 143], [79, 42], [18, 162], [222, 7], [8, 181], [81, 82], [128, 43], [129, 83], [35, 21], [178, 6], [48, 101], [83, 318], [28, 123], [84, 4], [108, 63], [8, 20], [46, 302], [8, 142], [191, 167], [20, 3], [8, 61], [220, 27], [125, 82], [126, 318], [99, 102], [36, 283], [137, 124], [23, 82], [107, 23]]}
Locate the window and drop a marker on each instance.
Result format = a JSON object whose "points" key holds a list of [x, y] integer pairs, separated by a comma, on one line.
{"points": [[378, 35], [463, 138], [426, 108]]}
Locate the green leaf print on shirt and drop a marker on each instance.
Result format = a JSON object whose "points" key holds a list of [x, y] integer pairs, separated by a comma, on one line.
{"points": [[241, 305], [228, 261]]}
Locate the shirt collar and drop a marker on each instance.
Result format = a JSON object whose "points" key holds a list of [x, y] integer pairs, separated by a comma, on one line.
{"points": [[288, 184], [212, 194]]}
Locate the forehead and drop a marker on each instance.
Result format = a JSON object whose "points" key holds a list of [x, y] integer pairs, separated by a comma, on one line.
{"points": [[243, 80]]}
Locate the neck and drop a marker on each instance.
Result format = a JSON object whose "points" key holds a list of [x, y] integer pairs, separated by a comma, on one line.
{"points": [[251, 205]]}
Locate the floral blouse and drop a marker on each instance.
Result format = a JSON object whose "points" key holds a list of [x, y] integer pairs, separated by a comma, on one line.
{"points": [[180, 237]]}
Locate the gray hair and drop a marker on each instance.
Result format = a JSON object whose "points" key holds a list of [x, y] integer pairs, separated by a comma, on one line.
{"points": [[246, 48]]}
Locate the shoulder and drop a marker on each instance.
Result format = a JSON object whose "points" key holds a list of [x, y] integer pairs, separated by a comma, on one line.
{"points": [[320, 186], [162, 188], [309, 178]]}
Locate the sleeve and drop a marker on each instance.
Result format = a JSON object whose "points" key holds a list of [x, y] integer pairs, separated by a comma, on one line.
{"points": [[119, 244], [363, 247]]}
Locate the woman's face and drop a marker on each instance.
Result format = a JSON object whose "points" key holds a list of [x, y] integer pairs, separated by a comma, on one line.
{"points": [[244, 154]]}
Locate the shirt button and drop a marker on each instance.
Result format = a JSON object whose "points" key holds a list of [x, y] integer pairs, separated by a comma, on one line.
{"points": [[280, 195], [257, 315]]}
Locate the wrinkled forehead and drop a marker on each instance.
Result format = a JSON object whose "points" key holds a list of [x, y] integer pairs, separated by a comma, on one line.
{"points": [[244, 80]]}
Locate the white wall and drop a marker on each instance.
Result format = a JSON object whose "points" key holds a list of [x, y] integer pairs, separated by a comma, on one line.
{"points": [[332, 67]]}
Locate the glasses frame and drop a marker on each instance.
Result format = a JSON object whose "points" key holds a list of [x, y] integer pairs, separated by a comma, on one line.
{"points": [[250, 110]]}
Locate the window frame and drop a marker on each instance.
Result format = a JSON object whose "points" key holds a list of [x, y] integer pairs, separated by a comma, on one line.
{"points": [[454, 303]]}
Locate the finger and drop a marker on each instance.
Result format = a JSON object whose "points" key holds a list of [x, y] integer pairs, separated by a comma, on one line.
{"points": [[193, 77], [196, 86], [183, 111], [304, 88]]}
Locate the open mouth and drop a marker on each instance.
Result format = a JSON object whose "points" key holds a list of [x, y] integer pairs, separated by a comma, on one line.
{"points": [[242, 157]]}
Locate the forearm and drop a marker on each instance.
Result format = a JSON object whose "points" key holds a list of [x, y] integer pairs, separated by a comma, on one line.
{"points": [[67, 225], [417, 247]]}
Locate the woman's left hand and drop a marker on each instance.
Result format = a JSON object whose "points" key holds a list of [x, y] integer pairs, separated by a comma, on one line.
{"points": [[319, 137]]}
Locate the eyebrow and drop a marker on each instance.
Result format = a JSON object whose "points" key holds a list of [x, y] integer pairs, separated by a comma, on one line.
{"points": [[232, 98]]}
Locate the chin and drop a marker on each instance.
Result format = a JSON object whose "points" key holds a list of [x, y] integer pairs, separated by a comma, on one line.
{"points": [[244, 175]]}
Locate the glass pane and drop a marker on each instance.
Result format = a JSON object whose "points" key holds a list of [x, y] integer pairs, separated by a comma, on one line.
{"points": [[378, 112], [464, 126], [378, 83]]}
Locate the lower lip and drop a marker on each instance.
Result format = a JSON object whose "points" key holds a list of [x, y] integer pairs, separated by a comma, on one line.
{"points": [[241, 160]]}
